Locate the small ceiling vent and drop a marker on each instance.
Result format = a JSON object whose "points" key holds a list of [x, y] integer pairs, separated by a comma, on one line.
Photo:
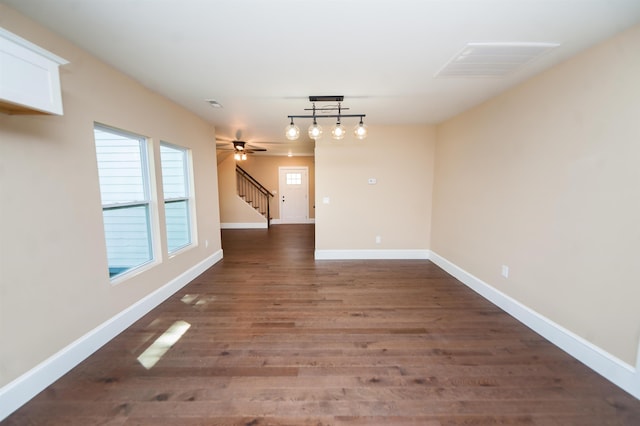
{"points": [[493, 59], [213, 103]]}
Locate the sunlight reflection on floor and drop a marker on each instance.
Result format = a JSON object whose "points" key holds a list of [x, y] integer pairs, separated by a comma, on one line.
{"points": [[162, 344]]}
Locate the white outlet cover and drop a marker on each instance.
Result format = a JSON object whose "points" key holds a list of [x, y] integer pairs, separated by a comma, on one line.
{"points": [[505, 271]]}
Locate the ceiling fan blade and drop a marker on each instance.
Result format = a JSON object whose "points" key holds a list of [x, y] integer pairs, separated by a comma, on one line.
{"points": [[255, 147], [237, 145]]}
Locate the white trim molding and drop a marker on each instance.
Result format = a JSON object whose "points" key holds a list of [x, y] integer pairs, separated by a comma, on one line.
{"points": [[370, 254], [280, 222], [615, 370], [21, 390], [251, 225]]}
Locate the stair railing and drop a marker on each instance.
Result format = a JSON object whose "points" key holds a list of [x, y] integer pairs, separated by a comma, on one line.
{"points": [[254, 193]]}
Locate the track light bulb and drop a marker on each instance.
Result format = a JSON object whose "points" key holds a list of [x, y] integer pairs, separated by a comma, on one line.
{"points": [[292, 132], [315, 131], [360, 131], [338, 131]]}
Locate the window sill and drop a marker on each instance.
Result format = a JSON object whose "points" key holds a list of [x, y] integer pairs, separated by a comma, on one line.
{"points": [[133, 272], [181, 250]]}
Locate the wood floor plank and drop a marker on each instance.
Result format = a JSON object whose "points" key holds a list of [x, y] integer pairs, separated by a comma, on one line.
{"points": [[277, 338]]}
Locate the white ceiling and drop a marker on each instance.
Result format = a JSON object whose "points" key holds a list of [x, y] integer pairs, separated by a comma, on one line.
{"points": [[262, 59]]}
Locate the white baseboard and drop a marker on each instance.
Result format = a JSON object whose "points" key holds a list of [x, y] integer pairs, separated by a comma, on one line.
{"points": [[280, 222], [19, 391], [615, 370], [260, 225], [251, 225], [370, 254]]}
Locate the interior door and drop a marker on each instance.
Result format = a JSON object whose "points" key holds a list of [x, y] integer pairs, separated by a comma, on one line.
{"points": [[294, 194]]}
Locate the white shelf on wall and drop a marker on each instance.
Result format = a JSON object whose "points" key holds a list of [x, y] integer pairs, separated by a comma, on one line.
{"points": [[29, 77]]}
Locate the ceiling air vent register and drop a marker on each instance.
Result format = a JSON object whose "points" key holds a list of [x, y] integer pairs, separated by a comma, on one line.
{"points": [[493, 59]]}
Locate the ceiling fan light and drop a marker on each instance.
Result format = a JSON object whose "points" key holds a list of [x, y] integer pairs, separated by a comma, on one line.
{"points": [[243, 156], [338, 131], [315, 130], [292, 132], [360, 131], [237, 156]]}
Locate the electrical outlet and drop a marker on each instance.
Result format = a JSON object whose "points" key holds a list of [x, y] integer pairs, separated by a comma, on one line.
{"points": [[505, 271], [378, 239]]}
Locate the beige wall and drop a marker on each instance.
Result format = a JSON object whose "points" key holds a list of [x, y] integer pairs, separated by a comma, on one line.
{"points": [[54, 284], [397, 208], [546, 179]]}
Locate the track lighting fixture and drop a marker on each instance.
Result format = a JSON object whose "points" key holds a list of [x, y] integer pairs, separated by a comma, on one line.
{"points": [[315, 130], [338, 131], [292, 131], [360, 131]]}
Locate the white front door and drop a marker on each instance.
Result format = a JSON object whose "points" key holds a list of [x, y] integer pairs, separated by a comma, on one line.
{"points": [[294, 194]]}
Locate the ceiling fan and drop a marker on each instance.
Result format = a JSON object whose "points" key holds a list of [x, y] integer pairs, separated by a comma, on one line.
{"points": [[237, 145], [240, 148]]}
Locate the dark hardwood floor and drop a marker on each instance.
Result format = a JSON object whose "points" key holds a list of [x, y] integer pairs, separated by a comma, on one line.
{"points": [[278, 338]]}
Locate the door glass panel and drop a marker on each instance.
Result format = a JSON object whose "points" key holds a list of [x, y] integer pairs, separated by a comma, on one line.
{"points": [[294, 178]]}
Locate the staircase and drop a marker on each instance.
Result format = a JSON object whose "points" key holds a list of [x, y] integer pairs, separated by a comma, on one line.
{"points": [[254, 193]]}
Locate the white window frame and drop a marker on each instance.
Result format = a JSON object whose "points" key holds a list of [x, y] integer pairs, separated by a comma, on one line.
{"points": [[187, 170], [148, 202]]}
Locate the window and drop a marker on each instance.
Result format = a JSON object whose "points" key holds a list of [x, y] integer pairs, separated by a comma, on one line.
{"points": [[294, 179], [175, 183], [124, 187]]}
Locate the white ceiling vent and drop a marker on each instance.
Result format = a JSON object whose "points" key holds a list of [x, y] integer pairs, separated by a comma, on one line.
{"points": [[493, 59], [214, 103]]}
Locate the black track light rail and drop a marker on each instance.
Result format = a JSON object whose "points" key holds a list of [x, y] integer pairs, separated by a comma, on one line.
{"points": [[327, 115], [314, 99]]}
